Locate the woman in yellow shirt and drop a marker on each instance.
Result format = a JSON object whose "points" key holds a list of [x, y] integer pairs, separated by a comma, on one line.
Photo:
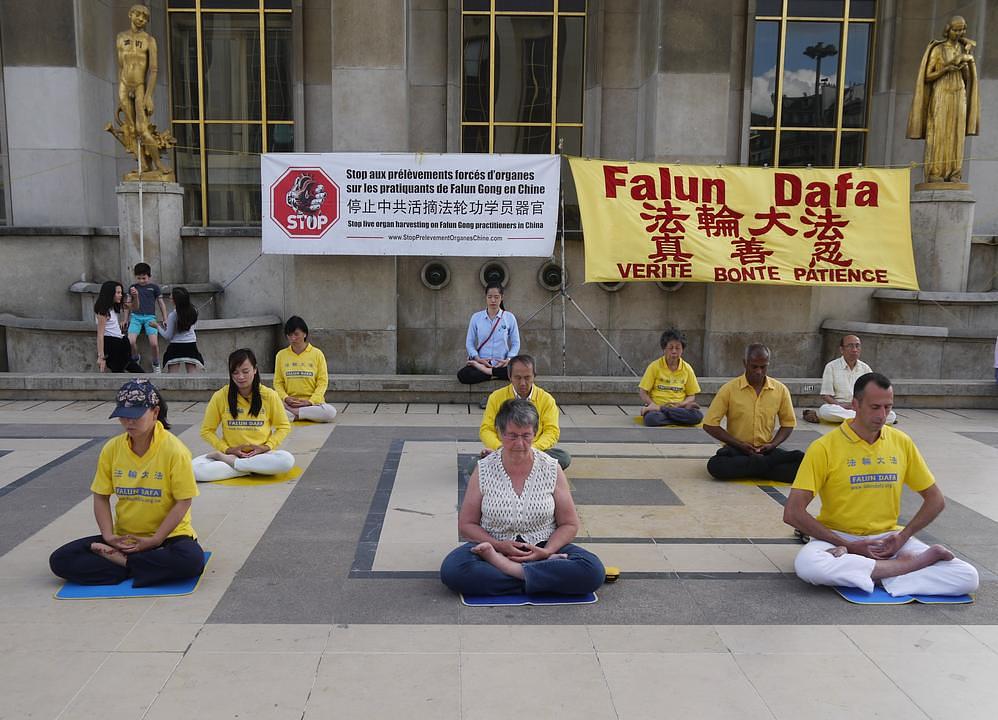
{"points": [[149, 538], [301, 377], [253, 425]]}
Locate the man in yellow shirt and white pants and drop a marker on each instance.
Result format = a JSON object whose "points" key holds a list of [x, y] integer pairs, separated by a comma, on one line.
{"points": [[859, 470]]}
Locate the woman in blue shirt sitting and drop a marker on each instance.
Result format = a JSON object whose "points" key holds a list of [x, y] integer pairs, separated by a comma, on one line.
{"points": [[493, 338]]}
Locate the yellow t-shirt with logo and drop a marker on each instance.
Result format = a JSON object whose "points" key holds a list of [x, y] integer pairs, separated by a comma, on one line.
{"points": [[269, 427], [667, 387], [147, 487], [860, 484], [303, 377]]}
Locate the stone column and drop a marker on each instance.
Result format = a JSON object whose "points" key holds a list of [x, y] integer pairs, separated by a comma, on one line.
{"points": [[159, 228], [942, 222]]}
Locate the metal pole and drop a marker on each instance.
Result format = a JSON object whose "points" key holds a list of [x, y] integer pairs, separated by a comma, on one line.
{"points": [[142, 225], [564, 329]]}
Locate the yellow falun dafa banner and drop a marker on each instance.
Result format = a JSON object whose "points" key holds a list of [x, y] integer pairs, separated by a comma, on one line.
{"points": [[780, 226]]}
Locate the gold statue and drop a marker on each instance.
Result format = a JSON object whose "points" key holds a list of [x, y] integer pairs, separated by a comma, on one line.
{"points": [[946, 107], [137, 70]]}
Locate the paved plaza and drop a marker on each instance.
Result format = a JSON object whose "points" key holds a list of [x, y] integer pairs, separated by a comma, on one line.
{"points": [[321, 599]]}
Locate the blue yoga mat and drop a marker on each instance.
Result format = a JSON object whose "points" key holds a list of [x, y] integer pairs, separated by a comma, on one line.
{"points": [[527, 599], [72, 591], [879, 596]]}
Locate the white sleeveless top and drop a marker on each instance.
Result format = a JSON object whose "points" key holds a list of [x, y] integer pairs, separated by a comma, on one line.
{"points": [[506, 514], [112, 326]]}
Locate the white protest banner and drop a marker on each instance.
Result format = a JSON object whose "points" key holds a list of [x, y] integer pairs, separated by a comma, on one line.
{"points": [[409, 204]]}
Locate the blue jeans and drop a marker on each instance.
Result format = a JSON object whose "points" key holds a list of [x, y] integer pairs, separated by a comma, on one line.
{"points": [[673, 416], [464, 572]]}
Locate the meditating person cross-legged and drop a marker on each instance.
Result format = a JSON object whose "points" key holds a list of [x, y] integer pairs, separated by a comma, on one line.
{"points": [[253, 424], [859, 470], [148, 537], [520, 520], [301, 376]]}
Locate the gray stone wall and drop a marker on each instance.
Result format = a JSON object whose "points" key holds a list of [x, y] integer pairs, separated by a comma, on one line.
{"points": [[60, 78]]}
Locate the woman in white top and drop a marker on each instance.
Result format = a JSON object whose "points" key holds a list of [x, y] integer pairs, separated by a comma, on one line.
{"points": [[179, 332], [113, 351], [520, 519]]}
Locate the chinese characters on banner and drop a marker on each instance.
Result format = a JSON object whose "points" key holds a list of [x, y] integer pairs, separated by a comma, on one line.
{"points": [[643, 221], [410, 204]]}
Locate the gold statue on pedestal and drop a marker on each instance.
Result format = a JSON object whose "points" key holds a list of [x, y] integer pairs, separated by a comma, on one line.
{"points": [[137, 70], [946, 107]]}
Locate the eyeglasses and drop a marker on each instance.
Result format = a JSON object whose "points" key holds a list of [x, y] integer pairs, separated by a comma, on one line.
{"points": [[518, 436], [851, 345]]}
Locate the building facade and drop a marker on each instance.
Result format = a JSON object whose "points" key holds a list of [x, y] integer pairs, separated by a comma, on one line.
{"points": [[785, 83]]}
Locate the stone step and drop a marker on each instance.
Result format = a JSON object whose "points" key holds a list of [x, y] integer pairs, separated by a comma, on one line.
{"points": [[923, 351], [967, 311], [570, 390], [68, 346], [203, 295]]}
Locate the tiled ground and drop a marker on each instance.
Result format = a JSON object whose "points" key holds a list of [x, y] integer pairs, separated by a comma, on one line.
{"points": [[321, 600]]}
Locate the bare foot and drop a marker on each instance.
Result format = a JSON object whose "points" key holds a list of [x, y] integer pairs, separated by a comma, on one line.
{"points": [[811, 416], [108, 553], [937, 553], [497, 560], [229, 460], [836, 551]]}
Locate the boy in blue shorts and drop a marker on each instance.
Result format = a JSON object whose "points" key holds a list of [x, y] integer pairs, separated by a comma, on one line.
{"points": [[144, 296]]}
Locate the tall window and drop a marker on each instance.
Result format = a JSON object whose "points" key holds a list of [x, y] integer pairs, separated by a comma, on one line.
{"points": [[230, 86], [4, 164], [810, 82], [522, 78]]}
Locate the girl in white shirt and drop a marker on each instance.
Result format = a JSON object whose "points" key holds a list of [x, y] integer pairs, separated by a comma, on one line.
{"points": [[179, 332], [110, 314]]}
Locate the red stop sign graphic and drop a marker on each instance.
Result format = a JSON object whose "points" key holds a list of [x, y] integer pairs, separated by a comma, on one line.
{"points": [[305, 202]]}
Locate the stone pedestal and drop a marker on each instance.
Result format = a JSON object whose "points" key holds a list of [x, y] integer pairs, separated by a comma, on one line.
{"points": [[941, 225], [156, 231]]}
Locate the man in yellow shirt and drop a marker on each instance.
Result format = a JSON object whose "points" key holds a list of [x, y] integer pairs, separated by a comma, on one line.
{"points": [[858, 470], [752, 402], [521, 385], [669, 387]]}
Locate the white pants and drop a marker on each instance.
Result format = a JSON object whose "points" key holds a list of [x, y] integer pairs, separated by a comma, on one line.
{"points": [[819, 567], [315, 413], [274, 462], [836, 414]]}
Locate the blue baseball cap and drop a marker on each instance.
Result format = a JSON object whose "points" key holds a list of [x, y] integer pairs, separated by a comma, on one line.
{"points": [[134, 398]]}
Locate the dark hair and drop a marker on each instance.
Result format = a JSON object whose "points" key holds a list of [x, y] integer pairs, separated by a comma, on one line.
{"points": [[756, 349], [105, 298], [295, 323], [523, 360], [496, 285], [187, 314], [142, 269], [517, 412], [162, 410], [237, 358], [862, 381], [670, 335]]}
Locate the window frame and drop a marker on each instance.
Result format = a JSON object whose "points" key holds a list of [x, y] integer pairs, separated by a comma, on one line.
{"points": [[555, 14], [844, 21], [198, 9]]}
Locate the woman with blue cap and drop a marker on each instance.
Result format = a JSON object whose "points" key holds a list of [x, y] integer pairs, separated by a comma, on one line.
{"points": [[149, 538]]}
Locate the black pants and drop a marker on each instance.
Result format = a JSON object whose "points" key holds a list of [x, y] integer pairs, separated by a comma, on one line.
{"points": [[178, 558], [777, 465], [470, 375], [118, 356]]}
